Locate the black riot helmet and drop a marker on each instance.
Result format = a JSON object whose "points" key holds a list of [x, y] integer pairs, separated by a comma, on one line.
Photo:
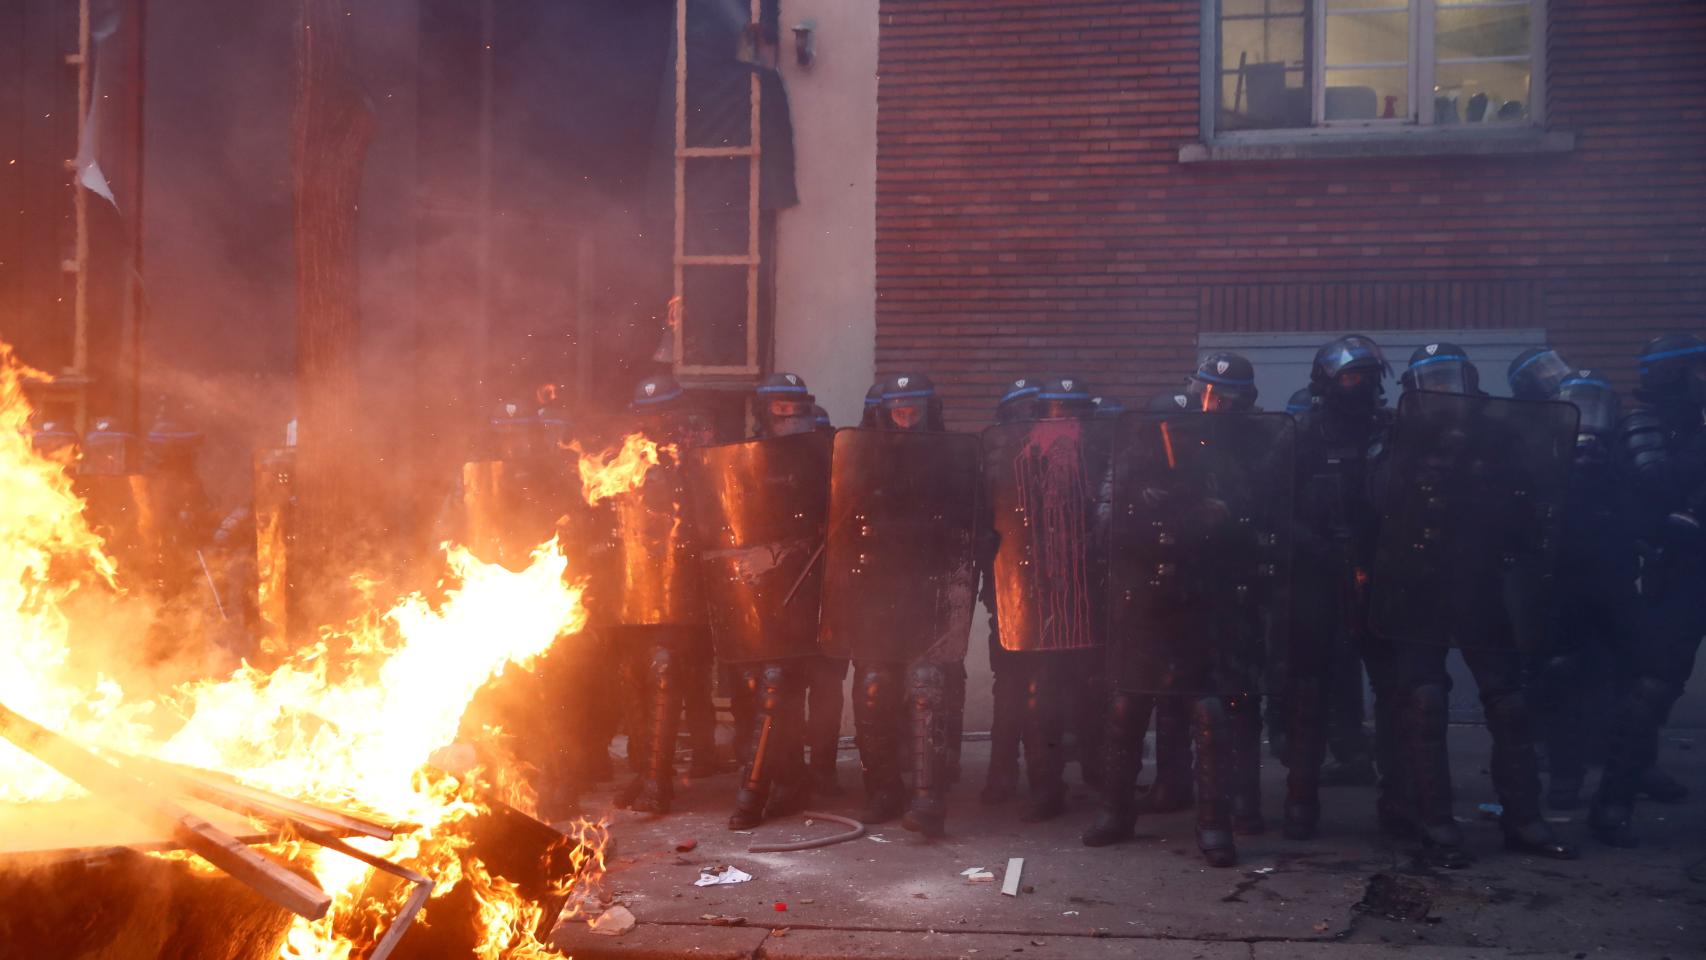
{"points": [[1300, 403], [1348, 372], [1171, 403], [511, 431], [1536, 373], [172, 443], [1442, 368], [820, 419], [110, 449], [1596, 400], [1107, 408], [1223, 383], [910, 403], [1018, 401], [1673, 367], [872, 415], [784, 405], [54, 439], [1064, 398], [655, 392]]}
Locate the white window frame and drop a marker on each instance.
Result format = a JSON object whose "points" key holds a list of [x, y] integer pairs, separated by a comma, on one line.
{"points": [[1422, 71]]}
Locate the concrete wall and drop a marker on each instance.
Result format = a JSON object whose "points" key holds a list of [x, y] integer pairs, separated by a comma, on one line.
{"points": [[826, 285]]}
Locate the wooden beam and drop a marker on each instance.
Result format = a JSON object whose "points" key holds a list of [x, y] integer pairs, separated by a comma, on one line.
{"points": [[138, 799], [220, 790]]}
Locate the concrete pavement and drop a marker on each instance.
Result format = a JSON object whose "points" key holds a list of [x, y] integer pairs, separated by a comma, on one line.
{"points": [[894, 895]]}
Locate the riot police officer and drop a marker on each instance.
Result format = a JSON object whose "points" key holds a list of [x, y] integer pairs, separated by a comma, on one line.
{"points": [[1196, 583], [758, 508], [1344, 430], [1048, 482], [1594, 606], [660, 614], [1663, 450], [1472, 461], [786, 407], [1001, 780], [898, 594]]}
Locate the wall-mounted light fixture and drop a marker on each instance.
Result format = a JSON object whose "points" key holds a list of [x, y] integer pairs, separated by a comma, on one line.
{"points": [[805, 42]]}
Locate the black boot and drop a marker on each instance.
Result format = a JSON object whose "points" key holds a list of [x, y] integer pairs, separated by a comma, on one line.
{"points": [[1045, 760], [1442, 846], [658, 782], [953, 722], [876, 719], [927, 813], [1122, 760], [1516, 777], [1564, 793], [765, 685], [1660, 787], [1307, 746], [1214, 804], [1001, 782], [1246, 725], [1631, 748], [1537, 839], [1171, 790], [1422, 726]]}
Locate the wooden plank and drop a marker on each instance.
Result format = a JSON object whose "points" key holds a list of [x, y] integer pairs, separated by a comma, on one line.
{"points": [[703, 152], [218, 789], [137, 799], [715, 260]]}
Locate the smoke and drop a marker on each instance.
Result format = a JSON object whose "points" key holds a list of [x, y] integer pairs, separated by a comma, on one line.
{"points": [[489, 266]]}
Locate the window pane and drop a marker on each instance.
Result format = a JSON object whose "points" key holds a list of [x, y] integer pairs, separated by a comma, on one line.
{"points": [[1260, 8], [1265, 40], [1272, 98], [1368, 94], [714, 316], [1461, 32], [1261, 60], [1367, 38], [1481, 92]]}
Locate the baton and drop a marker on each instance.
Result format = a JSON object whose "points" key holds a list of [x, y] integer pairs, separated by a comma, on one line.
{"points": [[802, 577], [211, 585]]}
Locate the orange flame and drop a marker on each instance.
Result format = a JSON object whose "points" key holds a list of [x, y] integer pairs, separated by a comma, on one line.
{"points": [[617, 472], [354, 720]]}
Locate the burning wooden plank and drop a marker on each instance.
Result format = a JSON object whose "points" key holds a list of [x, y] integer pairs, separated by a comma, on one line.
{"points": [[135, 798]]}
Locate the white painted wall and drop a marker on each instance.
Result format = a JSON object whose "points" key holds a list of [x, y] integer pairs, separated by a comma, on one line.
{"points": [[826, 260]]}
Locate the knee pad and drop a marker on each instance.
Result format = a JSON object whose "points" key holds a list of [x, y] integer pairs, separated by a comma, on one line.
{"points": [[1426, 706], [1506, 707], [773, 682], [1209, 710], [1123, 708], [662, 664], [1653, 697]]}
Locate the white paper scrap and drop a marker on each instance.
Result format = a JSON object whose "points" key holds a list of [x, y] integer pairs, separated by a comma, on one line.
{"points": [[725, 875]]}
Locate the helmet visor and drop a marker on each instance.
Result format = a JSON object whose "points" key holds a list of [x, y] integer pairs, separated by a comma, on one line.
{"points": [[1442, 374], [1596, 401], [1541, 374], [1351, 353]]}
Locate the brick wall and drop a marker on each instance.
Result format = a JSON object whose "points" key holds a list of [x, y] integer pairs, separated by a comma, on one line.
{"points": [[1032, 215]]}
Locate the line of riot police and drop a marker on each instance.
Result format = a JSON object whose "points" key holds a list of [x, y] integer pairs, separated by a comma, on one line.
{"points": [[1181, 562]]}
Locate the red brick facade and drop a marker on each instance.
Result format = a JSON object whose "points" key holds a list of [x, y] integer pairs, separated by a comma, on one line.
{"points": [[1033, 215]]}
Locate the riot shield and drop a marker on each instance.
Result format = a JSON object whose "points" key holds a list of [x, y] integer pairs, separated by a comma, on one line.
{"points": [[1047, 484], [759, 509], [1201, 554], [279, 598], [658, 570], [509, 508], [1471, 511], [900, 575]]}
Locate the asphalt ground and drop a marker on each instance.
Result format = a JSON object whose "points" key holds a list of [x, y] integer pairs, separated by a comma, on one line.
{"points": [[1347, 894]]}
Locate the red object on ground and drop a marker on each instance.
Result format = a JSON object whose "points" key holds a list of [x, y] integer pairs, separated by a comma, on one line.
{"points": [[781, 907]]}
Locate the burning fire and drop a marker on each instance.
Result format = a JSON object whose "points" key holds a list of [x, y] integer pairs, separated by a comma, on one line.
{"points": [[351, 721], [612, 473]]}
